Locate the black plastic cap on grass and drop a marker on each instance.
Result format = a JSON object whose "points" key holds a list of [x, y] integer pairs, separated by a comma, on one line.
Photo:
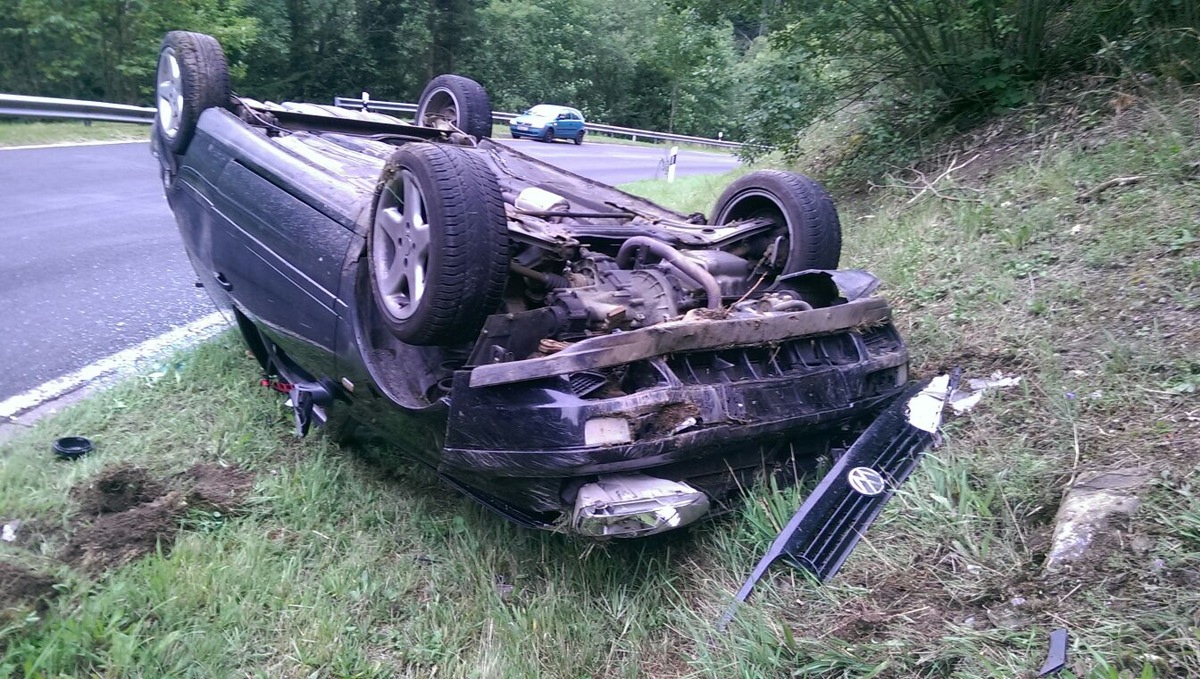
{"points": [[72, 447]]}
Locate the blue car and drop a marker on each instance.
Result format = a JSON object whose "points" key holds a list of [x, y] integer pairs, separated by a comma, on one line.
{"points": [[549, 122]]}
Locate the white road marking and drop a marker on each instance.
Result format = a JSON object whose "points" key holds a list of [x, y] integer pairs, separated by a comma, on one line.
{"points": [[73, 143], [120, 362]]}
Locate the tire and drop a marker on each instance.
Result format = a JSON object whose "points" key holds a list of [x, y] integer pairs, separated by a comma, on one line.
{"points": [[579, 138], [192, 76], [438, 244], [548, 135], [804, 212], [458, 101]]}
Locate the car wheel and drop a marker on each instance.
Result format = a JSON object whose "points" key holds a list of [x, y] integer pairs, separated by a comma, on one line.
{"points": [[438, 245], [452, 100], [192, 76], [548, 135], [579, 138], [806, 217]]}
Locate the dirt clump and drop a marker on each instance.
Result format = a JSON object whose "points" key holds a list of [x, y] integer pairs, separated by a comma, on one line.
{"points": [[20, 585], [117, 489], [211, 486], [667, 419], [126, 513], [115, 539]]}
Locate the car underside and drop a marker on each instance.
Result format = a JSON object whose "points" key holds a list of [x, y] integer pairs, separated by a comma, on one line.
{"points": [[570, 355]]}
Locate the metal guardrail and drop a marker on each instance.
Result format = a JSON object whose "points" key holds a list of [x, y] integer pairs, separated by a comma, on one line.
{"points": [[50, 107], [501, 117]]}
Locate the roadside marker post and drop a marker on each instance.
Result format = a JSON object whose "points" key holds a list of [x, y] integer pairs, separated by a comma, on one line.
{"points": [[671, 158]]}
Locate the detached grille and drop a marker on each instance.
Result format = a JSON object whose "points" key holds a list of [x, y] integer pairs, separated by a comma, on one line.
{"points": [[823, 532], [832, 530]]}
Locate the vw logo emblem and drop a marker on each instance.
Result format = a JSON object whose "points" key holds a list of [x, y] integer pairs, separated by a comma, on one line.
{"points": [[866, 481]]}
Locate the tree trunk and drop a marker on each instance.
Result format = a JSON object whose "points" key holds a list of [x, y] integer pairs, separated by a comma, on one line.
{"points": [[674, 102]]}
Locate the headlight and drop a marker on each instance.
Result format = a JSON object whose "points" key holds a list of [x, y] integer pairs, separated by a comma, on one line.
{"points": [[633, 505]]}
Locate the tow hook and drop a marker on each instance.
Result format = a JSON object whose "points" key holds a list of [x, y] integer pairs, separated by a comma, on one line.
{"points": [[308, 401]]}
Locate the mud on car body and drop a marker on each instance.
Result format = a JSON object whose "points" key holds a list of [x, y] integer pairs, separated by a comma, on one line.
{"points": [[570, 355]]}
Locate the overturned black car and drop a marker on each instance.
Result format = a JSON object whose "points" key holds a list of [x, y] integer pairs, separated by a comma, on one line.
{"points": [[571, 356]]}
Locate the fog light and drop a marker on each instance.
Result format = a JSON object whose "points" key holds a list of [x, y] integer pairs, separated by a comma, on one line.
{"points": [[606, 431], [633, 505]]}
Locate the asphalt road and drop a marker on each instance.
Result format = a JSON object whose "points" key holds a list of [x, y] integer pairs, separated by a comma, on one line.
{"points": [[91, 262]]}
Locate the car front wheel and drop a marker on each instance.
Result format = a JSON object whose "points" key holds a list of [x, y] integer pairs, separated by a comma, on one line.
{"points": [[807, 235], [438, 245], [548, 135]]}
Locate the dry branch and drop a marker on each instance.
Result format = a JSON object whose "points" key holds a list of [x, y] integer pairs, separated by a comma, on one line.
{"points": [[1111, 183], [923, 185]]}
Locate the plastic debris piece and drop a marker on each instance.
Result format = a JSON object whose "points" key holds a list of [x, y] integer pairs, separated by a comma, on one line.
{"points": [[996, 381], [8, 532], [925, 409], [72, 447], [1056, 658], [963, 402], [963, 399]]}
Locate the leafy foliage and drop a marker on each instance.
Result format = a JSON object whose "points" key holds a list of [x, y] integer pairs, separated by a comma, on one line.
{"points": [[756, 70], [92, 49], [637, 63], [931, 62]]}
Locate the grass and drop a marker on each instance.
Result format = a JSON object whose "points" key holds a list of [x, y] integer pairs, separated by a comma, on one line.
{"points": [[351, 562], [27, 133], [687, 194]]}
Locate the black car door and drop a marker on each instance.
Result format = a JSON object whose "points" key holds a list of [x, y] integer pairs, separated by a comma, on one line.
{"points": [[282, 256]]}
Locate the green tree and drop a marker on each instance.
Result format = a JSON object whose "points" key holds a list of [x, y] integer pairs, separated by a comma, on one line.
{"points": [[97, 49], [693, 62]]}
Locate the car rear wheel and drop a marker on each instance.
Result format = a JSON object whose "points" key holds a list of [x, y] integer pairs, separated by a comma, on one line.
{"points": [[438, 245], [454, 102], [548, 135], [192, 76], [808, 234], [579, 138]]}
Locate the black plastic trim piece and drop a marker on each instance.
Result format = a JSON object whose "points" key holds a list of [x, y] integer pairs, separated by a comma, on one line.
{"points": [[827, 527]]}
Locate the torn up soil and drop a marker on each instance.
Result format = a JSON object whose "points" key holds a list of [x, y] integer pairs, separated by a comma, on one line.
{"points": [[126, 513], [211, 486], [22, 586], [115, 539], [117, 489]]}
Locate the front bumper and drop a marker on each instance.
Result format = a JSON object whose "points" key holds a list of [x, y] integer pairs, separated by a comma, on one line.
{"points": [[530, 131], [683, 406]]}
